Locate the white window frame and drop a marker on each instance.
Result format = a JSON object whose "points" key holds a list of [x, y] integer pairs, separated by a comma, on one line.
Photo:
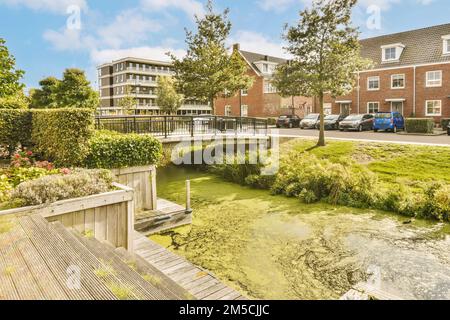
{"points": [[373, 103], [244, 107], [446, 44], [369, 79], [433, 83], [244, 92], [386, 58], [433, 114], [392, 81], [265, 67], [328, 108]]}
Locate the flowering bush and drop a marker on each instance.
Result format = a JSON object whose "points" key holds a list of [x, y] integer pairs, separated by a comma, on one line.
{"points": [[23, 159], [49, 189]]}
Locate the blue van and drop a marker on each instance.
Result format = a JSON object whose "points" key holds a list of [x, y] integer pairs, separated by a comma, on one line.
{"points": [[389, 121]]}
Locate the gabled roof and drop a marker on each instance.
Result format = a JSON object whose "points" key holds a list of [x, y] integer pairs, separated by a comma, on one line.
{"points": [[422, 46], [253, 57]]}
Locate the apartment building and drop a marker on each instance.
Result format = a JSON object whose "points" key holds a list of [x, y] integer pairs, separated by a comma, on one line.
{"points": [[138, 78], [262, 99], [411, 75]]}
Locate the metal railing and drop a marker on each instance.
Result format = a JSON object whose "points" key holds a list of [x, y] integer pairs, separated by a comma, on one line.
{"points": [[165, 126]]}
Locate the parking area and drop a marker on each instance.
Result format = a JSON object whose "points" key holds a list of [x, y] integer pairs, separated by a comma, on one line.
{"points": [[367, 136]]}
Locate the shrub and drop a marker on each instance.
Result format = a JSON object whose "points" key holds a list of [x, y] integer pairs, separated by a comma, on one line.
{"points": [[15, 128], [114, 150], [418, 125], [17, 101], [445, 123], [49, 189], [62, 135], [237, 169], [5, 187], [436, 203]]}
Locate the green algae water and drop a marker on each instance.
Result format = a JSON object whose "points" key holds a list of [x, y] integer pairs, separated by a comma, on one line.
{"points": [[273, 247]]}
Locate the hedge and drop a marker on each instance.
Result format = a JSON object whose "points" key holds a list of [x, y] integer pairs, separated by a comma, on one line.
{"points": [[15, 128], [111, 150], [62, 135], [445, 123], [418, 125]]}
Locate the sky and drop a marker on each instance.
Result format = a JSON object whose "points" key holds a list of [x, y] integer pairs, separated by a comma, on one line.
{"points": [[48, 36]]}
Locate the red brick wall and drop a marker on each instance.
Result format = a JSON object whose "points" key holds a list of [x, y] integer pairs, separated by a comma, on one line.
{"points": [[386, 92]]}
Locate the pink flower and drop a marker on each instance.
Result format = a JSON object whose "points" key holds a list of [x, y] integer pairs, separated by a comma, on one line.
{"points": [[17, 156], [29, 153], [65, 171]]}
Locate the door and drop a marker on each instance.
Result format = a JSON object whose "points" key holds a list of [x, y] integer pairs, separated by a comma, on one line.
{"points": [[345, 109], [397, 107]]}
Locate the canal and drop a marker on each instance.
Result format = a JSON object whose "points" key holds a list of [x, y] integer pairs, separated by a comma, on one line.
{"points": [[273, 247]]}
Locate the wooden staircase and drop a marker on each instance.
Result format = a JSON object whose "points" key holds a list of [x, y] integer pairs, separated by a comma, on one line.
{"points": [[46, 261]]}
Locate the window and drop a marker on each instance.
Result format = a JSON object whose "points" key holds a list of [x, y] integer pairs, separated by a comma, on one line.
{"points": [[227, 111], [446, 40], [390, 54], [398, 81], [434, 79], [373, 83], [244, 111], [269, 88], [244, 92], [327, 108], [373, 107], [433, 107], [265, 68]]}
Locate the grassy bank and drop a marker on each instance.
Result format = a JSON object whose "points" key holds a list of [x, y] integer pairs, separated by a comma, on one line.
{"points": [[410, 180]]}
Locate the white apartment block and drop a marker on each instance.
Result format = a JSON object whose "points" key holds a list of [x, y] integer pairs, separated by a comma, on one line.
{"points": [[138, 78]]}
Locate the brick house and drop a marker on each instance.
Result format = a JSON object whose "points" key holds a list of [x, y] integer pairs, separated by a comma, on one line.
{"points": [[411, 74], [262, 99]]}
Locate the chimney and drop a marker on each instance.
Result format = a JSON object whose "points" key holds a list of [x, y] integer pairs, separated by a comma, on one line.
{"points": [[266, 58], [236, 47]]}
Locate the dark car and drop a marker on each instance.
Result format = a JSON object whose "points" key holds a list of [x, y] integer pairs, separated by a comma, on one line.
{"points": [[288, 122], [357, 122], [331, 122], [448, 129], [310, 121], [389, 121]]}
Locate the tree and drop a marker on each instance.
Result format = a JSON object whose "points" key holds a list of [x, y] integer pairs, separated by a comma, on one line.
{"points": [[16, 101], [208, 69], [73, 91], [326, 54], [9, 76], [169, 100], [46, 96], [128, 103]]}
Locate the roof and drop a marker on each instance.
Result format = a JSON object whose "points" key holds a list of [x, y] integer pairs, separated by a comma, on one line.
{"points": [[253, 57], [422, 46]]}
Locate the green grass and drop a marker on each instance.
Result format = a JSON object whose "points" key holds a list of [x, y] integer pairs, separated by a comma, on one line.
{"points": [[392, 163]]}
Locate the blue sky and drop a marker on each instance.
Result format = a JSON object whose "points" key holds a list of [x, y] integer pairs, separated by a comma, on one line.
{"points": [[38, 36]]}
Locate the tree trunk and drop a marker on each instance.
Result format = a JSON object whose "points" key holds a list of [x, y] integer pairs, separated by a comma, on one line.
{"points": [[321, 142], [213, 109]]}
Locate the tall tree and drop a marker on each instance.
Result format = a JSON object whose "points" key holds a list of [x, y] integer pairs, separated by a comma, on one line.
{"points": [[208, 69], [45, 97], [128, 103], [169, 100], [73, 91], [326, 54], [9, 76]]}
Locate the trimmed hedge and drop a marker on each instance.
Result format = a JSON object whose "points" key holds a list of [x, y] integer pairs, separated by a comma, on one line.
{"points": [[62, 135], [111, 150], [15, 128], [445, 123], [419, 125]]}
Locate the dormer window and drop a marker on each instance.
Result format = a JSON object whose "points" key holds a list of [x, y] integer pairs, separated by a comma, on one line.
{"points": [[392, 53], [265, 68], [446, 40]]}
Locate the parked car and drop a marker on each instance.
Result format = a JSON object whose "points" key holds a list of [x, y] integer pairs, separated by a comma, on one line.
{"points": [[288, 122], [448, 129], [310, 121], [389, 121], [331, 121], [358, 122]]}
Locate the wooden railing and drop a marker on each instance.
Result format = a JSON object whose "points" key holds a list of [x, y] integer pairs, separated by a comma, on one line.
{"points": [[165, 126]]}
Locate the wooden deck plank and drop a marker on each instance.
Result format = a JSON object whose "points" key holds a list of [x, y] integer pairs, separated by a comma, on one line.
{"points": [[220, 294], [209, 291], [231, 296]]}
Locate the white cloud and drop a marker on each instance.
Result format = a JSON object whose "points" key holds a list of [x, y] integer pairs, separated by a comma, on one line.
{"points": [[69, 40], [256, 42], [154, 53], [382, 4], [54, 6], [190, 7], [129, 27]]}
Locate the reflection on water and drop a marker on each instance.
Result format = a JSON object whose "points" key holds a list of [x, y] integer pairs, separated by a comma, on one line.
{"points": [[277, 248]]}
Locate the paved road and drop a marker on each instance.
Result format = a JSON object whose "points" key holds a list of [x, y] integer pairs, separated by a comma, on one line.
{"points": [[367, 136]]}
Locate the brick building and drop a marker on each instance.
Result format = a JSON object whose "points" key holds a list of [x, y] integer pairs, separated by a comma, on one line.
{"points": [[262, 99], [411, 74]]}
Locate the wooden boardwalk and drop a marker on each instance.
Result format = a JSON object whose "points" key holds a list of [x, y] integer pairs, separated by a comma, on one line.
{"points": [[197, 281], [46, 261], [169, 215]]}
